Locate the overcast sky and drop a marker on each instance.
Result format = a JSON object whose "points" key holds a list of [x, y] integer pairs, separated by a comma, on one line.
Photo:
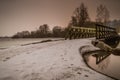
{"points": [[19, 15]]}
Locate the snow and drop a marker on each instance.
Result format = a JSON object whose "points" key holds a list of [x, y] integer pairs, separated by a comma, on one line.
{"points": [[57, 60]]}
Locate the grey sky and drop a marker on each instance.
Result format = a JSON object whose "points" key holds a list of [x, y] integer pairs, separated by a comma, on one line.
{"points": [[19, 15]]}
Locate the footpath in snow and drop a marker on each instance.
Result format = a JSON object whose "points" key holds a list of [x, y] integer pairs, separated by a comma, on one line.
{"points": [[57, 60]]}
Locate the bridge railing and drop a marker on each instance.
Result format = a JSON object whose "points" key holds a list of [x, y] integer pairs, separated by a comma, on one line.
{"points": [[105, 32], [80, 32], [100, 32]]}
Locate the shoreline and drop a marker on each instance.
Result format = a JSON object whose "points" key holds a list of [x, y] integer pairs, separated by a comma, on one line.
{"points": [[43, 41], [34, 42]]}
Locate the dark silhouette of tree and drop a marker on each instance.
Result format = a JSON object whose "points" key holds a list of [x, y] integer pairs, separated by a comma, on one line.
{"points": [[74, 21], [106, 16], [43, 30], [100, 12], [80, 16], [23, 34], [33, 34], [103, 15], [57, 31]]}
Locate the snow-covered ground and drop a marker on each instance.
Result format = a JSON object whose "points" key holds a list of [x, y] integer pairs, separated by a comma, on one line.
{"points": [[57, 60]]}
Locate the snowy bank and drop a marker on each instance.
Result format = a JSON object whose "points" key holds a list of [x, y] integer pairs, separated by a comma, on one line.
{"points": [[58, 60]]}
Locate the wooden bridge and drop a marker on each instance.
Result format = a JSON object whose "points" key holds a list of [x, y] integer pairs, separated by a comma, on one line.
{"points": [[100, 32]]}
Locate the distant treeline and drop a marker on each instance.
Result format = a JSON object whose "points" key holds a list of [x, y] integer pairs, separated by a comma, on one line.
{"points": [[42, 32]]}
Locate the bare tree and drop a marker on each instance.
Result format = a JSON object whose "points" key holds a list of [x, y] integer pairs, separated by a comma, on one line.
{"points": [[74, 21], [43, 30], [102, 14], [57, 31], [106, 15], [80, 16], [23, 34]]}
